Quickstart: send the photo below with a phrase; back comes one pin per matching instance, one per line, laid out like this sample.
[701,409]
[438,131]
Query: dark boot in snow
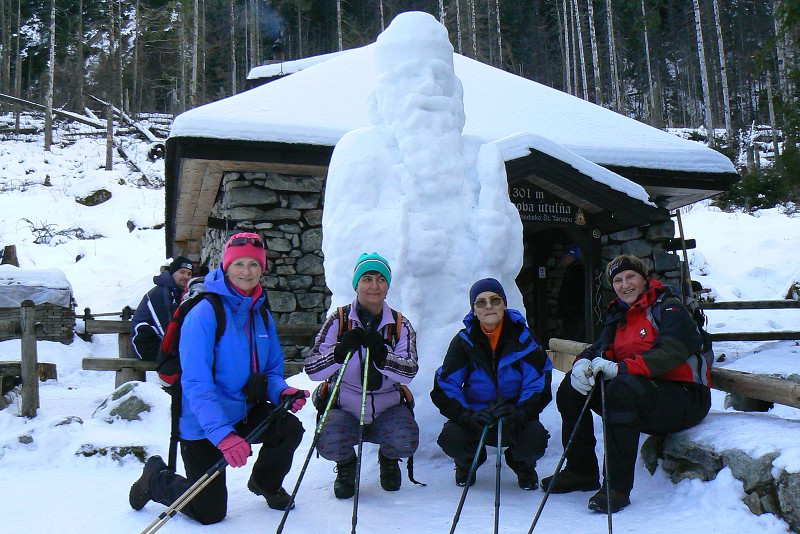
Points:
[277,501]
[140,490]
[390,472]
[599,501]
[344,486]
[462,472]
[569,481]
[527,478]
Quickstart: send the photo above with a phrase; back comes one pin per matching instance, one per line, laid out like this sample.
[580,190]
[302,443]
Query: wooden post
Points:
[10,256]
[30,373]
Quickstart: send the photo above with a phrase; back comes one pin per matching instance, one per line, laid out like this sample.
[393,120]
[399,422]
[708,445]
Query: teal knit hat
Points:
[371,262]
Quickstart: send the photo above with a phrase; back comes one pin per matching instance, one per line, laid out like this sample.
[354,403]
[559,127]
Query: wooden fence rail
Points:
[777,335]
[755,386]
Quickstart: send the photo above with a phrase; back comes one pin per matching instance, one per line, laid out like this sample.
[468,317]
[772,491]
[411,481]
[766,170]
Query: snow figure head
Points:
[419,99]
[430,200]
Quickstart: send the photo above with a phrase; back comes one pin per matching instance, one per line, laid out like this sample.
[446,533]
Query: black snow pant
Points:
[634,404]
[273,463]
[526,445]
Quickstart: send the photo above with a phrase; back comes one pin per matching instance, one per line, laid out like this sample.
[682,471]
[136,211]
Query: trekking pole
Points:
[605,450]
[360,440]
[561,461]
[317,435]
[218,467]
[472,469]
[498,463]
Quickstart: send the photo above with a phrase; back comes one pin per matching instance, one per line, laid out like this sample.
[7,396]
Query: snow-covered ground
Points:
[50,488]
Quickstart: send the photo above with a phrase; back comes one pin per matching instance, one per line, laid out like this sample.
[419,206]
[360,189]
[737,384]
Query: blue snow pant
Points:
[634,404]
[211,505]
[395,430]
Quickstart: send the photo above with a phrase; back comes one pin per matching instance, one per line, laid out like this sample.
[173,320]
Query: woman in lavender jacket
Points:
[367,324]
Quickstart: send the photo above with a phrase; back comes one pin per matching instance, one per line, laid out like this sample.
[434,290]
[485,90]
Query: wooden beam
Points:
[783,335]
[93,326]
[762,387]
[117,364]
[751,305]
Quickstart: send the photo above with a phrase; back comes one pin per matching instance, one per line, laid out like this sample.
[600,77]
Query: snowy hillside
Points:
[50,488]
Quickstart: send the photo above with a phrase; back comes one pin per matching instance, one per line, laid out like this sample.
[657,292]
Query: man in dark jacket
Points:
[571,297]
[153,313]
[494,369]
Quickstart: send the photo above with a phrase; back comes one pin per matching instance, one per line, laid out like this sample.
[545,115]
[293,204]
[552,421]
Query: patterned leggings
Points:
[395,430]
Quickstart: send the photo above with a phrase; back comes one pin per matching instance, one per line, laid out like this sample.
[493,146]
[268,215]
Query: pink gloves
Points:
[298,404]
[235,449]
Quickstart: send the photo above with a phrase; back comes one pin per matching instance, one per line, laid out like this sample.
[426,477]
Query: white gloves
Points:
[580,377]
[607,367]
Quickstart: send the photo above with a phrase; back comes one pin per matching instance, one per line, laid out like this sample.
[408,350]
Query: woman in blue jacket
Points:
[494,369]
[217,412]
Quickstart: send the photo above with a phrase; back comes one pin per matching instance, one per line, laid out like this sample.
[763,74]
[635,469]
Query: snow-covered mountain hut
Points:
[577,173]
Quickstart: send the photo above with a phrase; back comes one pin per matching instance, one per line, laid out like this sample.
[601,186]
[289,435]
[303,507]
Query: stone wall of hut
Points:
[287,212]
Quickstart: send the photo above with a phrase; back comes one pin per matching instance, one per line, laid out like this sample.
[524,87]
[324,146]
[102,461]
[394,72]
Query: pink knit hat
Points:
[244,245]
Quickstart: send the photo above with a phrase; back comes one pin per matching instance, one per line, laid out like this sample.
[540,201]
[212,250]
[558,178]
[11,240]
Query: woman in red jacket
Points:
[656,383]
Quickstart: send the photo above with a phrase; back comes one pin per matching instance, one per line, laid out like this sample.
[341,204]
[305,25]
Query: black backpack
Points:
[706,352]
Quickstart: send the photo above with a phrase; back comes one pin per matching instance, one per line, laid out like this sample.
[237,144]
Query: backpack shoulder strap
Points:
[344,320]
[393,335]
[219,314]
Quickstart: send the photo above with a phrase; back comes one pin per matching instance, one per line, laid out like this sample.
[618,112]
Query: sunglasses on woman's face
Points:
[242,241]
[494,301]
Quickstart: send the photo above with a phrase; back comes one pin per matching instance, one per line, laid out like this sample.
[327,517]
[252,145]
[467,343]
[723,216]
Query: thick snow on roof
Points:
[288,67]
[519,145]
[321,103]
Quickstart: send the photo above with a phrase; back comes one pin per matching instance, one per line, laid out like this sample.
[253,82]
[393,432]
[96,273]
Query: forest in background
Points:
[731,67]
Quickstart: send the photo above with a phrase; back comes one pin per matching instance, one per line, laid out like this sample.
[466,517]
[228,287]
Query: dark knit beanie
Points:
[623,263]
[487,284]
[181,262]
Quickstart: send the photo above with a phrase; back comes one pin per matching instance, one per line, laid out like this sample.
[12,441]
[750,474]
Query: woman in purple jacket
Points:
[367,324]
[230,385]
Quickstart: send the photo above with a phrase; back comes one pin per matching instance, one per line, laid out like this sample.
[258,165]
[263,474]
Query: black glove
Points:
[513,416]
[351,341]
[477,420]
[374,341]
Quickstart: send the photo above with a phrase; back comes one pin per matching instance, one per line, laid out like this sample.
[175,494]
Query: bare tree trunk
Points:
[339,24]
[618,104]
[118,57]
[780,51]
[109,136]
[701,52]
[79,66]
[567,50]
[4,50]
[441,12]
[579,33]
[195,46]
[723,72]
[499,35]
[473,30]
[182,46]
[233,46]
[202,79]
[574,48]
[18,68]
[383,21]
[489,46]
[598,93]
[112,46]
[300,29]
[51,63]
[655,120]
[775,147]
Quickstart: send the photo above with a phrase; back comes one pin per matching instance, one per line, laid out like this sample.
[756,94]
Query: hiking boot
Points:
[344,486]
[390,472]
[599,502]
[462,472]
[277,501]
[568,481]
[140,490]
[527,478]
